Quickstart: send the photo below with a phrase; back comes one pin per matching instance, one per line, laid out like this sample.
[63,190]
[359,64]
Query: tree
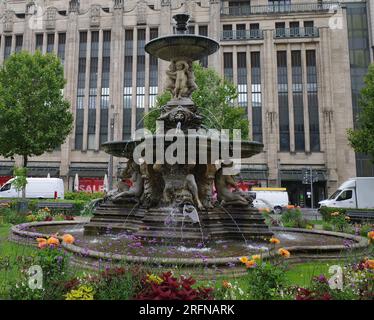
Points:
[214,98]
[34,115]
[362,138]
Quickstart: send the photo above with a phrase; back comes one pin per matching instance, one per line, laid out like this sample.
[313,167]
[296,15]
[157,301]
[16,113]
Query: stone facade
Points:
[301,29]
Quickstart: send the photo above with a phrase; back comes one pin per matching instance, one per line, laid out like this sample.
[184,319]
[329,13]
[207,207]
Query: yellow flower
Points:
[153,278]
[256,257]
[347,218]
[284,253]
[274,240]
[243,259]
[250,264]
[334,214]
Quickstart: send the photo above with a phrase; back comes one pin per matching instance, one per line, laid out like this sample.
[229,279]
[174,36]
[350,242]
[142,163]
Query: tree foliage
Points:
[362,138]
[34,115]
[214,98]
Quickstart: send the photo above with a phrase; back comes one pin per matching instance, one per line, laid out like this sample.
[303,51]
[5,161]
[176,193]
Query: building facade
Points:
[292,62]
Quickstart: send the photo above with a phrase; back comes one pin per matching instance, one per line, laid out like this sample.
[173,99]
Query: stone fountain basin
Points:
[219,256]
[180,47]
[212,146]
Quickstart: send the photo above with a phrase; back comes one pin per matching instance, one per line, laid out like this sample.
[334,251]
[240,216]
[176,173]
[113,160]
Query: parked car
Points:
[354,193]
[36,188]
[273,199]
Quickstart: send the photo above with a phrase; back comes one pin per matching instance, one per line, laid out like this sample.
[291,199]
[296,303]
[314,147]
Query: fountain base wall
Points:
[231,223]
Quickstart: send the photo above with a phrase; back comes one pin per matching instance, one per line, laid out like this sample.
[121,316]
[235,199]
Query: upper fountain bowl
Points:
[182,46]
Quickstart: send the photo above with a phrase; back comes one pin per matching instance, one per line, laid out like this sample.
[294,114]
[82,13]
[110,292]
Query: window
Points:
[242,80]
[153,73]
[50,42]
[254,29]
[127,88]
[256,96]
[240,31]
[93,90]
[81,90]
[284,126]
[61,47]
[203,31]
[345,195]
[8,47]
[294,29]
[298,105]
[140,78]
[105,89]
[280,29]
[313,100]
[39,42]
[228,66]
[19,43]
[6,187]
[309,28]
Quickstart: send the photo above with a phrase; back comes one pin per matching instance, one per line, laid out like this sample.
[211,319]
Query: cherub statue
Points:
[153,185]
[179,78]
[170,84]
[224,184]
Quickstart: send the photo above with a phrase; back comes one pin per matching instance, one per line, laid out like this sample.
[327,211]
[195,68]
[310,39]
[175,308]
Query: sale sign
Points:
[91,184]
[4,179]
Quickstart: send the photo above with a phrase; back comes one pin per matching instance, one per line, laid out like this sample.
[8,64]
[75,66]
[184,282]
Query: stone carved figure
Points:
[205,175]
[180,185]
[134,193]
[224,184]
[187,116]
[153,185]
[180,80]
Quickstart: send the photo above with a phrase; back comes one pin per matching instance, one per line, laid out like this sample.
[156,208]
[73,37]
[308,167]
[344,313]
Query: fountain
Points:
[180,191]
[169,216]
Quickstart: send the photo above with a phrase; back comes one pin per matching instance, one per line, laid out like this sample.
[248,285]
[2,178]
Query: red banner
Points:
[3,180]
[91,184]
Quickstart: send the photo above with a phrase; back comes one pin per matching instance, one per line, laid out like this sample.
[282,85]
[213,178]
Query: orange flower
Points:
[274,240]
[68,238]
[243,259]
[41,242]
[226,284]
[53,241]
[371,235]
[250,264]
[256,257]
[369,264]
[284,253]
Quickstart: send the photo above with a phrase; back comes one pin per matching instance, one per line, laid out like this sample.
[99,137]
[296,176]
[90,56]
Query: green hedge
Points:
[83,196]
[326,211]
[78,205]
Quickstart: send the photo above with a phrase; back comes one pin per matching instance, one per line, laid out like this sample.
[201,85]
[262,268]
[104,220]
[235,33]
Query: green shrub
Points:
[292,218]
[327,226]
[326,212]
[265,281]
[83,196]
[11,216]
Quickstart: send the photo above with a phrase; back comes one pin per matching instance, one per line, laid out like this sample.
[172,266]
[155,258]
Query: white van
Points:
[274,199]
[36,188]
[354,193]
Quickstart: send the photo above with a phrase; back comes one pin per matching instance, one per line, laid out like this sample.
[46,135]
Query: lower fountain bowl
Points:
[205,261]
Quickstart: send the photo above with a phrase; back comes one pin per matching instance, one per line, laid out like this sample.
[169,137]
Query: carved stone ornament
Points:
[95,11]
[8,21]
[51,18]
